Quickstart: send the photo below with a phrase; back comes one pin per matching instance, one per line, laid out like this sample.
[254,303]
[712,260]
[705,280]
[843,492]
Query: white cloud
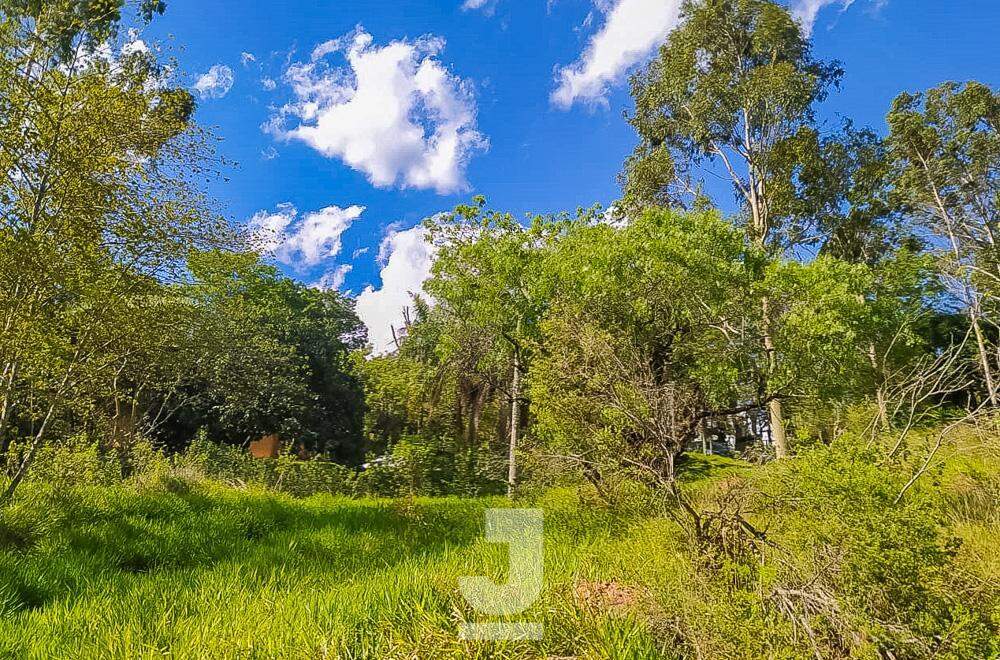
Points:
[135,46]
[394,112]
[268,84]
[301,242]
[216,82]
[246,59]
[406,266]
[632,30]
[487,6]
[807,11]
[334,279]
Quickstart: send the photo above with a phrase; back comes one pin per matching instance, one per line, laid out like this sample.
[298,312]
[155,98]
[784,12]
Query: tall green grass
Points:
[226,573]
[169,566]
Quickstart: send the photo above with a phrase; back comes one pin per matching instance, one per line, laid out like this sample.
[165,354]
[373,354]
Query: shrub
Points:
[378,479]
[870,573]
[75,461]
[235,466]
[304,478]
[430,465]
[81,460]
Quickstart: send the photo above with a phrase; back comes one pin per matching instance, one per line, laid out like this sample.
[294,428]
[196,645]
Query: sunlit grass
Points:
[217,572]
[174,567]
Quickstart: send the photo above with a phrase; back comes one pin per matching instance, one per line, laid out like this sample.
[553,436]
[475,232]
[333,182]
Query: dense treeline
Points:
[129,308]
[855,271]
[856,274]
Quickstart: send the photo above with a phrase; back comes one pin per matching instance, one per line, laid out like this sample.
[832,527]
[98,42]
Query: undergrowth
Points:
[817,556]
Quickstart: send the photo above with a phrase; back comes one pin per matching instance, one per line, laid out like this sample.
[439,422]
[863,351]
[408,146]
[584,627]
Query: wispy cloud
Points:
[806,12]
[333,280]
[631,32]
[486,6]
[301,242]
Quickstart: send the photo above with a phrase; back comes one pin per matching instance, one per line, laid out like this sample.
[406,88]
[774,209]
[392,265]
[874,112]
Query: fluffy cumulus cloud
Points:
[631,32]
[393,112]
[302,241]
[215,83]
[406,259]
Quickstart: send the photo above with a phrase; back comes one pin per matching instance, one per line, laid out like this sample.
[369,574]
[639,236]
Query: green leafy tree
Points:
[730,87]
[945,146]
[271,356]
[837,188]
[645,338]
[98,207]
[484,277]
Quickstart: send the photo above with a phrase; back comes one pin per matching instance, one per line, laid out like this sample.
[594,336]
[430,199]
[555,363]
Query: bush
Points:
[416,465]
[82,461]
[286,474]
[430,465]
[378,479]
[869,574]
[76,461]
[304,478]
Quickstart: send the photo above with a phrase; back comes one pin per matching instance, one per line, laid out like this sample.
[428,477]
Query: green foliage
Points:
[839,187]
[89,570]
[74,462]
[399,397]
[286,474]
[129,310]
[272,356]
[67,25]
[945,146]
[730,85]
[101,209]
[485,271]
[822,311]
[888,565]
[637,344]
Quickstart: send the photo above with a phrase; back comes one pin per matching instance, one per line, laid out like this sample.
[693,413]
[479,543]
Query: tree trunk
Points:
[971,298]
[777,422]
[472,438]
[28,458]
[515,423]
[759,236]
[10,371]
[883,411]
[776,417]
[984,359]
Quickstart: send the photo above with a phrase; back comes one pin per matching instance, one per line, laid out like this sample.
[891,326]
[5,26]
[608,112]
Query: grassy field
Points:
[168,568]
[227,573]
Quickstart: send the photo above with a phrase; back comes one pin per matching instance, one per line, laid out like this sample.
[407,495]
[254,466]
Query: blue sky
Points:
[413,106]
